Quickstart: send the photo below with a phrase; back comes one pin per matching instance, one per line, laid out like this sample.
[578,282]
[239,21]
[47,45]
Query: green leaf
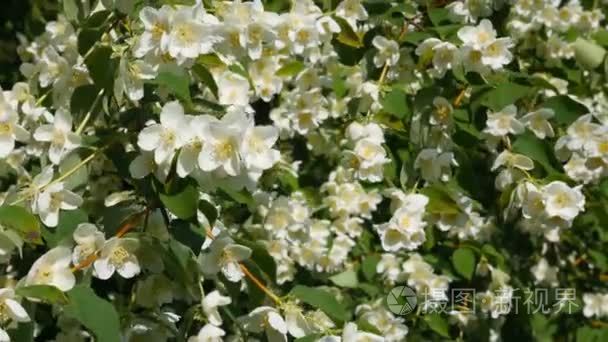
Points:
[542,329]
[176,80]
[601,37]
[260,255]
[182,203]
[321,300]
[68,222]
[116,215]
[347,35]
[347,278]
[87,38]
[438,15]
[309,338]
[203,74]
[290,69]
[76,179]
[464,263]
[92,30]
[529,145]
[440,201]
[82,99]
[241,196]
[208,210]
[438,324]
[368,266]
[70,9]
[46,293]
[566,109]
[395,102]
[588,54]
[504,94]
[599,259]
[21,221]
[102,67]
[95,313]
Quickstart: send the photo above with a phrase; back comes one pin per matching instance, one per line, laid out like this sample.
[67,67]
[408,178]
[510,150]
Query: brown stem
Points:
[126,227]
[250,275]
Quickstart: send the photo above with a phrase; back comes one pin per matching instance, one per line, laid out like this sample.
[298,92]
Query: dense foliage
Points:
[276,170]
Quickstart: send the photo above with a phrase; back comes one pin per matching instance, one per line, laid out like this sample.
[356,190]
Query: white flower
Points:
[144,165]
[256,148]
[406,228]
[165,138]
[351,333]
[297,324]
[208,333]
[189,35]
[352,11]
[596,304]
[504,122]
[434,165]
[266,319]
[538,122]
[513,160]
[478,37]
[425,49]
[210,304]
[53,268]
[372,131]
[130,80]
[225,256]
[388,51]
[581,131]
[223,143]
[471,60]
[10,130]
[88,240]
[188,156]
[444,58]
[497,54]
[10,308]
[233,89]
[54,198]
[442,113]
[544,273]
[60,135]
[117,255]
[562,201]
[155,37]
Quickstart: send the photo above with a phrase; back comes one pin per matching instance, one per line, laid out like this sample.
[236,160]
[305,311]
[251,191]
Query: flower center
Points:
[118,256]
[224,150]
[185,34]
[5,128]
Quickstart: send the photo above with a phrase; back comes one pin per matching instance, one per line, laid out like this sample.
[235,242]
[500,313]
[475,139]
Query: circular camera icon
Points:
[401,300]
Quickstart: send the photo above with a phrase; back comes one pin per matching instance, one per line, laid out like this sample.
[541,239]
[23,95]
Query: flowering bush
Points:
[356,170]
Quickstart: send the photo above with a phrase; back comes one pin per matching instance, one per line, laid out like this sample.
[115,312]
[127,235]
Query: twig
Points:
[126,227]
[253,278]
[89,113]
[70,172]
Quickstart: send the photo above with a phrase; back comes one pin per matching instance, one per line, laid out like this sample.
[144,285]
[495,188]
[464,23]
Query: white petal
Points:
[141,166]
[129,269]
[63,120]
[103,268]
[149,137]
[64,279]
[7,144]
[17,311]
[44,133]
